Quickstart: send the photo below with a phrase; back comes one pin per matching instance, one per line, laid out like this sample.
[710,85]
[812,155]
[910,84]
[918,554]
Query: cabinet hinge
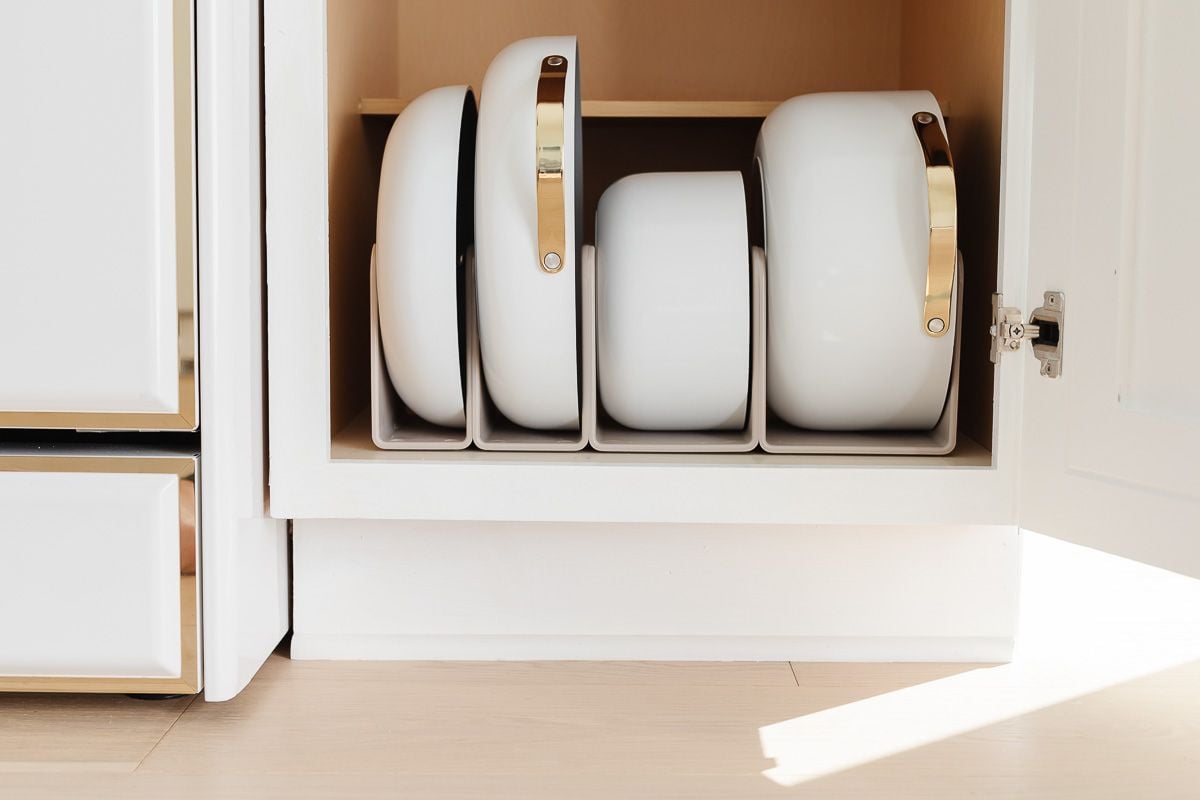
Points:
[1044,331]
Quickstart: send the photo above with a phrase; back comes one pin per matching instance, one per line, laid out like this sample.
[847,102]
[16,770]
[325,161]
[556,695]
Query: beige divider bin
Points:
[762,428]
[393,425]
[779,437]
[607,435]
[494,431]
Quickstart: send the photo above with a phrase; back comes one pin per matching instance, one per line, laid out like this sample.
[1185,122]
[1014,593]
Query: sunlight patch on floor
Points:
[1088,620]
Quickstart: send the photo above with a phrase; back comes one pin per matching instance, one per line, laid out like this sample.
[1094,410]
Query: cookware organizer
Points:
[395,427]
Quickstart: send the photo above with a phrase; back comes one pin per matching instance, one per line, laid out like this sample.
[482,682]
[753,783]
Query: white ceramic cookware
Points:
[673,301]
[858,195]
[423,227]
[527,202]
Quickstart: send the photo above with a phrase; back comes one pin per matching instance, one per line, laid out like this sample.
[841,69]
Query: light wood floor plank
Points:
[877,677]
[463,786]
[1135,740]
[43,732]
[355,731]
[549,673]
[516,718]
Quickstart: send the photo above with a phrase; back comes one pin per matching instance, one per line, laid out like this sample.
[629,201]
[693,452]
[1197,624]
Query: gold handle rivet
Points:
[555,61]
[924,117]
[936,325]
[552,262]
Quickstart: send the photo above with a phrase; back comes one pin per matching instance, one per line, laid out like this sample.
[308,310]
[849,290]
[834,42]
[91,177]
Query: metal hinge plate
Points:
[1044,331]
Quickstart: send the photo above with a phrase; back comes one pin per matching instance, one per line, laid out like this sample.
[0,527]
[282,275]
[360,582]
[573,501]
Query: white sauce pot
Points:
[860,285]
[673,301]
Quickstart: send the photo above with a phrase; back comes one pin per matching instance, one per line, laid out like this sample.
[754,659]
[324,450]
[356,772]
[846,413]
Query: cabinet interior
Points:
[668,50]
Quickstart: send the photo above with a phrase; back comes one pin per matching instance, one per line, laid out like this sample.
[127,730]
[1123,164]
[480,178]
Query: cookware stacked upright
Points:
[858,315]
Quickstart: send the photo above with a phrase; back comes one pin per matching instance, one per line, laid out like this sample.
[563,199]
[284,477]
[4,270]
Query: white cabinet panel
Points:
[96,215]
[245,551]
[1109,449]
[98,578]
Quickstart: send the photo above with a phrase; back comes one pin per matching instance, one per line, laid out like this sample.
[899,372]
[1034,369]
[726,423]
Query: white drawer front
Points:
[96,216]
[97,573]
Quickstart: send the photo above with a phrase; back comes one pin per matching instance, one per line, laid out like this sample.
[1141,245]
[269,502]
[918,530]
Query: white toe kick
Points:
[526,591]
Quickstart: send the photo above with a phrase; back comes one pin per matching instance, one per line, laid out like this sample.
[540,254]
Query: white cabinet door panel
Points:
[96,215]
[245,550]
[97,574]
[1110,448]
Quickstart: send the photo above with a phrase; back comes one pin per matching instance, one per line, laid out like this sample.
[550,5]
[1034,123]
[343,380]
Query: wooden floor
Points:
[596,730]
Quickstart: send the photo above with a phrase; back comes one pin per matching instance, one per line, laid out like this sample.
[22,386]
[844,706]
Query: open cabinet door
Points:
[1111,449]
[244,568]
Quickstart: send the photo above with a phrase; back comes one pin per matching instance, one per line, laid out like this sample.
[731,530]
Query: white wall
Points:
[386,589]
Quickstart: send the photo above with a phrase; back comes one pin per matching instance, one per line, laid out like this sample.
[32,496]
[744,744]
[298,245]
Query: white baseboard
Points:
[341,647]
[375,589]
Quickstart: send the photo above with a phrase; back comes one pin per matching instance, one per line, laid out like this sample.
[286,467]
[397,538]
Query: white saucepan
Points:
[859,205]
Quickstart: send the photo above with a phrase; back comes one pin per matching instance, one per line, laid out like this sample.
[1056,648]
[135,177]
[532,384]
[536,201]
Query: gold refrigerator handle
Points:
[943,223]
[551,204]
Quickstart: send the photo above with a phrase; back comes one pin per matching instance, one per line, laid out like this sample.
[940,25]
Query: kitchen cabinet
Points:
[1069,123]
